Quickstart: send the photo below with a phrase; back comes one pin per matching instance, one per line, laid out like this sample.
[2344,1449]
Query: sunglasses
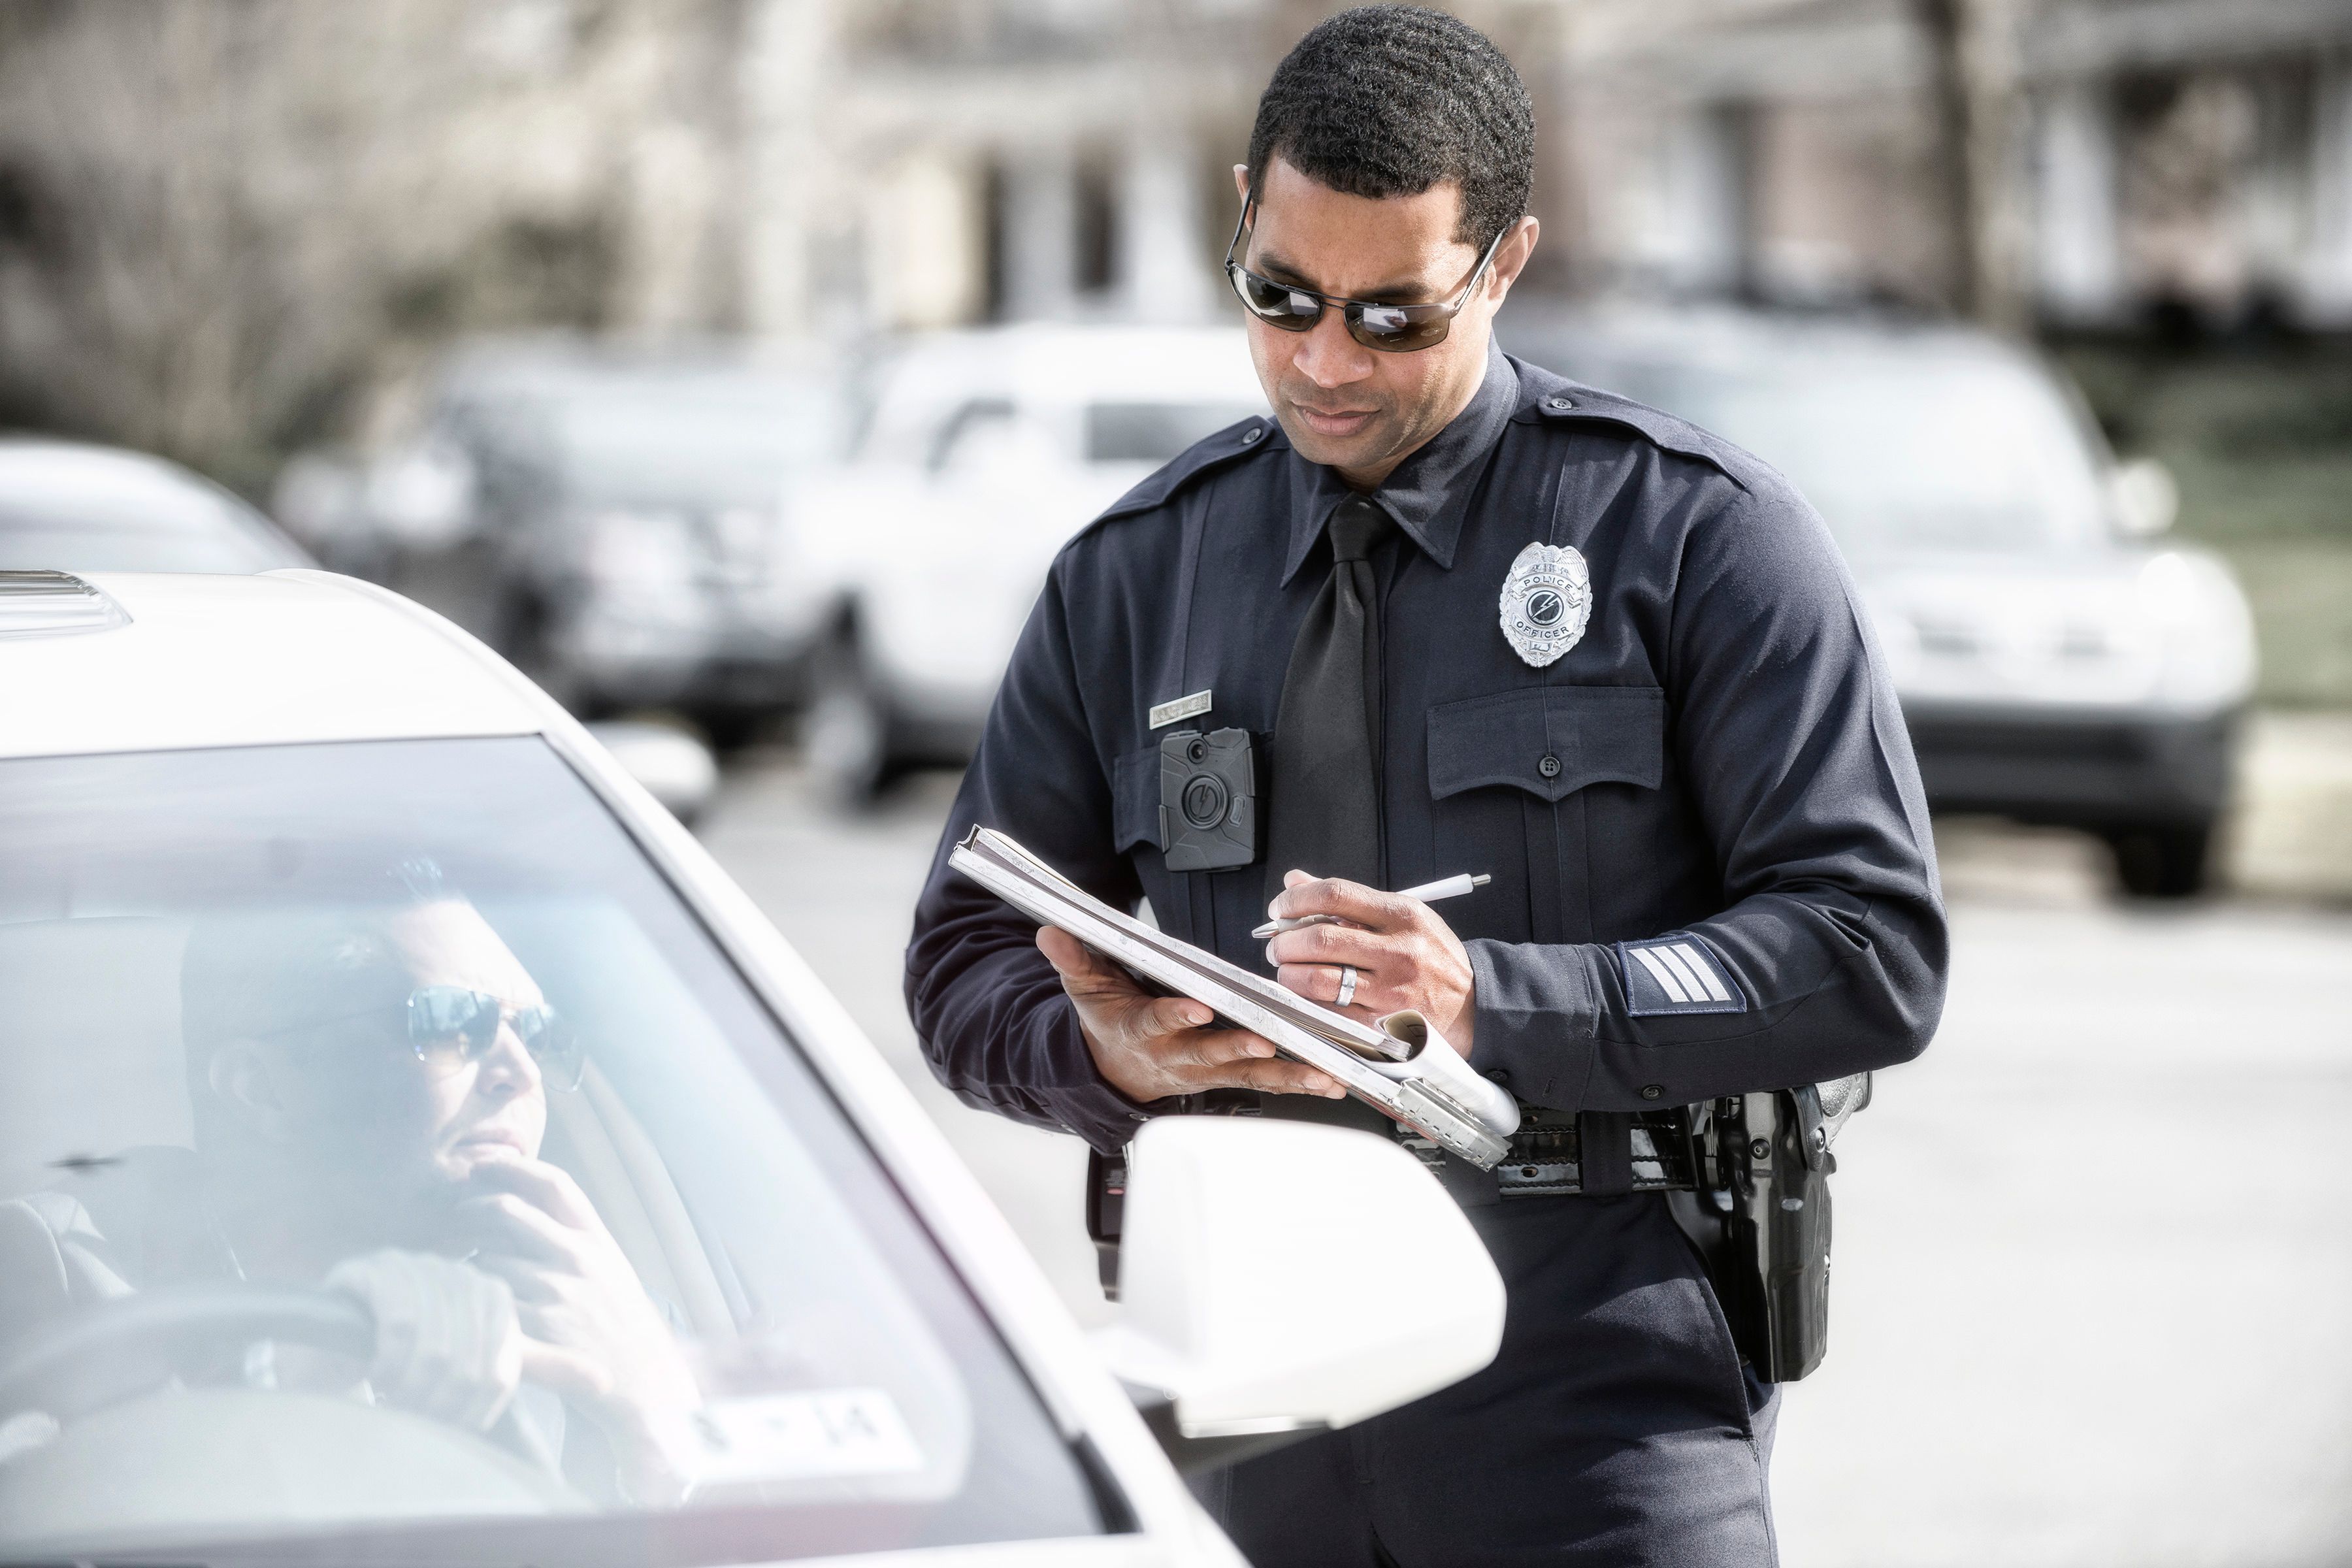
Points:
[1391,328]
[450,1027]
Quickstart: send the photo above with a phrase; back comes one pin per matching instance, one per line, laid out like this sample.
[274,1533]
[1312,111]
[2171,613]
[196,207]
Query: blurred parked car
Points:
[328,942]
[986,451]
[67,506]
[2054,665]
[606,520]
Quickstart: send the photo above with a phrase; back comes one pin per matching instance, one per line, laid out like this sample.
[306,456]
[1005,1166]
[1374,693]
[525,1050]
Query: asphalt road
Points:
[2094,1287]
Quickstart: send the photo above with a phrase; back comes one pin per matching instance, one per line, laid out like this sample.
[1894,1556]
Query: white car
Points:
[324,931]
[986,452]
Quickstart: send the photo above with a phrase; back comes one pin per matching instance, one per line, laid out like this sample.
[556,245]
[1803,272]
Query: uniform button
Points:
[1549,767]
[1652,1090]
[1499,1074]
[1556,401]
[1250,436]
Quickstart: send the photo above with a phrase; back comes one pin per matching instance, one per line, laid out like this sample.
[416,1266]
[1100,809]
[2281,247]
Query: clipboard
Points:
[1402,1067]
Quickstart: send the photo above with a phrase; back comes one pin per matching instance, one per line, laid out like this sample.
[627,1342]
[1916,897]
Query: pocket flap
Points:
[1550,741]
[1135,800]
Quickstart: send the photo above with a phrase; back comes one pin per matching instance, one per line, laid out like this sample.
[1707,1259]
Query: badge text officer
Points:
[1468,616]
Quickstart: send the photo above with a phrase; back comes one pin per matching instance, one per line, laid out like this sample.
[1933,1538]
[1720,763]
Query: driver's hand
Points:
[447,1341]
[591,1331]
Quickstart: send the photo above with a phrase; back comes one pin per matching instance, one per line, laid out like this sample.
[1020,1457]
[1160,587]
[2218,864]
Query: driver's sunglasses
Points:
[449,1026]
[1391,328]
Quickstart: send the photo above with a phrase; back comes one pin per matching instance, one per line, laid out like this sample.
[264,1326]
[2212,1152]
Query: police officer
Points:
[1473,617]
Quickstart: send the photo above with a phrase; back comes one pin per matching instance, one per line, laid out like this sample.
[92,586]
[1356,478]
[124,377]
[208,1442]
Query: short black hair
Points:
[1388,101]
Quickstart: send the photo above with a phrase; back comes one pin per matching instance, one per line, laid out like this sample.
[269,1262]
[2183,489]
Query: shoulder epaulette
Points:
[1228,446]
[1549,399]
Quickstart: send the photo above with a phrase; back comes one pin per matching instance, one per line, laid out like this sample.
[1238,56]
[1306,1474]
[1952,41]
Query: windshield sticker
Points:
[789,1437]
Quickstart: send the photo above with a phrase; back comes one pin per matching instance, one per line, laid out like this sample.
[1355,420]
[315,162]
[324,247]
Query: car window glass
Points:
[617,438]
[71,510]
[30,546]
[422,1015]
[1155,432]
[1934,455]
[969,430]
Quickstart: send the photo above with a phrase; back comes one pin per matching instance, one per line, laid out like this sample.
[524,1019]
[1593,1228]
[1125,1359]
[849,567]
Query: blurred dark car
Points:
[69,506]
[609,521]
[2054,665]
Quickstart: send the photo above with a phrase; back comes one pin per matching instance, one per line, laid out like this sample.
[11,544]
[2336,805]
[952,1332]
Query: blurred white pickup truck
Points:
[987,450]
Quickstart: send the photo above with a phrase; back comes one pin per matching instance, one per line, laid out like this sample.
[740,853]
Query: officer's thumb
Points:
[1073,959]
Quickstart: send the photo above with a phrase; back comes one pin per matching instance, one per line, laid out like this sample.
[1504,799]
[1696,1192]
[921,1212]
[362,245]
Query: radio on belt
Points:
[1208,800]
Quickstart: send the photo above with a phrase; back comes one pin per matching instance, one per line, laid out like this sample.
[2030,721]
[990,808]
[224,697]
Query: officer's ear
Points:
[1241,180]
[1511,256]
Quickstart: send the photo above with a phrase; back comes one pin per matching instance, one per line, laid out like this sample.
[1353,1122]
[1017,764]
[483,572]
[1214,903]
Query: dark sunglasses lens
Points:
[553,1045]
[1275,305]
[449,1026]
[1399,329]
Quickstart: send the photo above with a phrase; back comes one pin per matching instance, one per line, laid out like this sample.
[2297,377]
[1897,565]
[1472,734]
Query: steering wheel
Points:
[124,1347]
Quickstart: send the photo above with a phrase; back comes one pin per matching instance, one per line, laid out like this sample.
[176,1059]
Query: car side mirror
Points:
[675,769]
[1279,1278]
[2144,497]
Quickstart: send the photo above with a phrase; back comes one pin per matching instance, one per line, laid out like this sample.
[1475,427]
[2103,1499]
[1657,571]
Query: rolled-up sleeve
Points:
[989,1011]
[1830,953]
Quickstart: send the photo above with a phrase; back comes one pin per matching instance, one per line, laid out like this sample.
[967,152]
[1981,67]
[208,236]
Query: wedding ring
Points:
[1347,984]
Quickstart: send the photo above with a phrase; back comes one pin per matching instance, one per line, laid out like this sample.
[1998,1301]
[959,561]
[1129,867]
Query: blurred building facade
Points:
[221,220]
[1028,159]
[2077,162]
[228,227]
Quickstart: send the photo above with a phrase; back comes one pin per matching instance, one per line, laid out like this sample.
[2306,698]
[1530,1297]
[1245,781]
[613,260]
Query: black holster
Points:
[1761,1222]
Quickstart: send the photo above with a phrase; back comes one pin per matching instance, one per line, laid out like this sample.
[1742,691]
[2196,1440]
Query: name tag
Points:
[1191,707]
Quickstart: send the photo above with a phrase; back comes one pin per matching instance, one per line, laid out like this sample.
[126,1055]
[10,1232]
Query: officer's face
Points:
[1341,403]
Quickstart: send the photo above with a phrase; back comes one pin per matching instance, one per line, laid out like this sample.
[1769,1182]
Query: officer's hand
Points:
[1153,1047]
[1403,955]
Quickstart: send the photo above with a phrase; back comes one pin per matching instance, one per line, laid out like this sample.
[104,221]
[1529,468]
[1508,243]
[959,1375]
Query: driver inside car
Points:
[370,1096]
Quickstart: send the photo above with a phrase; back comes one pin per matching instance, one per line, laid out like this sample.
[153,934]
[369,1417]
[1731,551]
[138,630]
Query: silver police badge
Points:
[1547,599]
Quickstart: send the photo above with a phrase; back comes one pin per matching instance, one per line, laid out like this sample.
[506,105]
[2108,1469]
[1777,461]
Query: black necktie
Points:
[1324,791]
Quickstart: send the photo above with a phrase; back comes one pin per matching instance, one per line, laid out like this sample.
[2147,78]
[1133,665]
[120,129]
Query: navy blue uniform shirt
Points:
[1710,853]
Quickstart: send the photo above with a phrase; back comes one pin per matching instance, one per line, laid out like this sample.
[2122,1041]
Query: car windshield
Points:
[1935,455]
[316,1062]
[71,513]
[1155,432]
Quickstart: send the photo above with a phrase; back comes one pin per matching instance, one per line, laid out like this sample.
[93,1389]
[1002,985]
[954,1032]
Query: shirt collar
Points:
[1430,491]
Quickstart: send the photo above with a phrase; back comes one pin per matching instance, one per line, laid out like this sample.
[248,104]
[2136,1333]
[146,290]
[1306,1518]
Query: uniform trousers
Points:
[1617,1426]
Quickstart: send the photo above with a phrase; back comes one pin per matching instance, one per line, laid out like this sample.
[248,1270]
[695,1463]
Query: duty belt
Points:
[1551,1153]
[1554,1153]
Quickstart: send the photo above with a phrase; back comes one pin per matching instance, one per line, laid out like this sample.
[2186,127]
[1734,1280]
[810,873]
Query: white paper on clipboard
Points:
[1429,1088]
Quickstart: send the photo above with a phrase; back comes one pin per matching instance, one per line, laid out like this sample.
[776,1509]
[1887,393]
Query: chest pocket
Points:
[1512,781]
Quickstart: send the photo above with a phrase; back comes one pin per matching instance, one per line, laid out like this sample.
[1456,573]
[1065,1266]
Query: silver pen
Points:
[1428,893]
